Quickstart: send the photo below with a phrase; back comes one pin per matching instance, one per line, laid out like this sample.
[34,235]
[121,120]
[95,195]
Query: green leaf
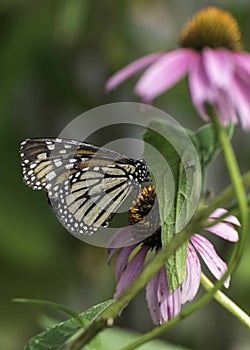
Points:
[209,145]
[55,337]
[174,163]
[117,338]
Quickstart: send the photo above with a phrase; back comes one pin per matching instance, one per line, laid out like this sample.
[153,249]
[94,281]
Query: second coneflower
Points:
[210,55]
[130,260]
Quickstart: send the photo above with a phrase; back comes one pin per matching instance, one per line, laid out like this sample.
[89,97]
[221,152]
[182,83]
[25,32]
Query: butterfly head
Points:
[143,173]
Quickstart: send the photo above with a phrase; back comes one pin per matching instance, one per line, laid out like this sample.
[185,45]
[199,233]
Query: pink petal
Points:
[240,90]
[170,303]
[152,300]
[130,69]
[224,230]
[122,261]
[215,264]
[241,93]
[190,285]
[209,79]
[131,271]
[219,67]
[224,105]
[111,253]
[242,63]
[221,211]
[164,73]
[199,87]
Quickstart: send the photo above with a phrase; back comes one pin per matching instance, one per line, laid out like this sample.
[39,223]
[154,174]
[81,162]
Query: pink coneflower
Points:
[210,55]
[130,260]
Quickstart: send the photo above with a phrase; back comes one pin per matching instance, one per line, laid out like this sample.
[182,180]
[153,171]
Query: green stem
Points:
[226,302]
[238,187]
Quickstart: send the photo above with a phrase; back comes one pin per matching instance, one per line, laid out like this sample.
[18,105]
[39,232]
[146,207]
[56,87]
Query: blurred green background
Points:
[54,59]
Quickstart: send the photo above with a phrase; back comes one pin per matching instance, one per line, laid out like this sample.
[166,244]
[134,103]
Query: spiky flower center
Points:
[144,218]
[211,27]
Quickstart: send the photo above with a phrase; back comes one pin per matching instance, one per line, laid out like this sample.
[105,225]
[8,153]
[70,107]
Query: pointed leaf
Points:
[55,337]
[174,162]
[209,143]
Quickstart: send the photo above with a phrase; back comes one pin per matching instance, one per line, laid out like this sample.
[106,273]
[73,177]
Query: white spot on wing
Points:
[51,147]
[58,162]
[69,166]
[51,175]
[42,155]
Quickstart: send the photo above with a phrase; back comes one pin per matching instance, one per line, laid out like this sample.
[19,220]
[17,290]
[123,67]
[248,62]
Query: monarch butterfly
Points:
[85,183]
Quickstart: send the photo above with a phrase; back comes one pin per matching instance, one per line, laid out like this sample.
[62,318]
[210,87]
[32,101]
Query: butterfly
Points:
[85,184]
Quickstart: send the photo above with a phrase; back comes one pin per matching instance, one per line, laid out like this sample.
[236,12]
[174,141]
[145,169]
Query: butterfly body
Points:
[85,184]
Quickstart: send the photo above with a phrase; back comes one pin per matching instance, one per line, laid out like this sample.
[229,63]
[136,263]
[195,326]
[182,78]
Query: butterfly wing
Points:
[85,184]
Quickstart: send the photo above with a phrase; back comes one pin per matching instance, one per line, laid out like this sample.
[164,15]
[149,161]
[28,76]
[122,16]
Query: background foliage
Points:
[54,59]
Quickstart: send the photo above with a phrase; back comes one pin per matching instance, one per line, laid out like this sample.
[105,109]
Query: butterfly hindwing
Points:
[84,207]
[85,184]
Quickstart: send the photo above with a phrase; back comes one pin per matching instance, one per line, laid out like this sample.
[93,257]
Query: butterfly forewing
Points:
[85,184]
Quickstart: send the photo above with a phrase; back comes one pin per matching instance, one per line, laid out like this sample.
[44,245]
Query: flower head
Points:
[211,27]
[163,304]
[210,55]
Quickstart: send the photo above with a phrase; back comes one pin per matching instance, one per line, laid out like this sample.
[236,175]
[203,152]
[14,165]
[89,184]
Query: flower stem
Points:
[226,302]
[238,187]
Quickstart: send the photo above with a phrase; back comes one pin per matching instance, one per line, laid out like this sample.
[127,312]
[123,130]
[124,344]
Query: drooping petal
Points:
[221,211]
[130,69]
[111,253]
[190,285]
[219,67]
[152,298]
[242,63]
[131,271]
[241,91]
[170,303]
[122,261]
[208,83]
[164,73]
[224,230]
[224,106]
[200,90]
[206,250]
